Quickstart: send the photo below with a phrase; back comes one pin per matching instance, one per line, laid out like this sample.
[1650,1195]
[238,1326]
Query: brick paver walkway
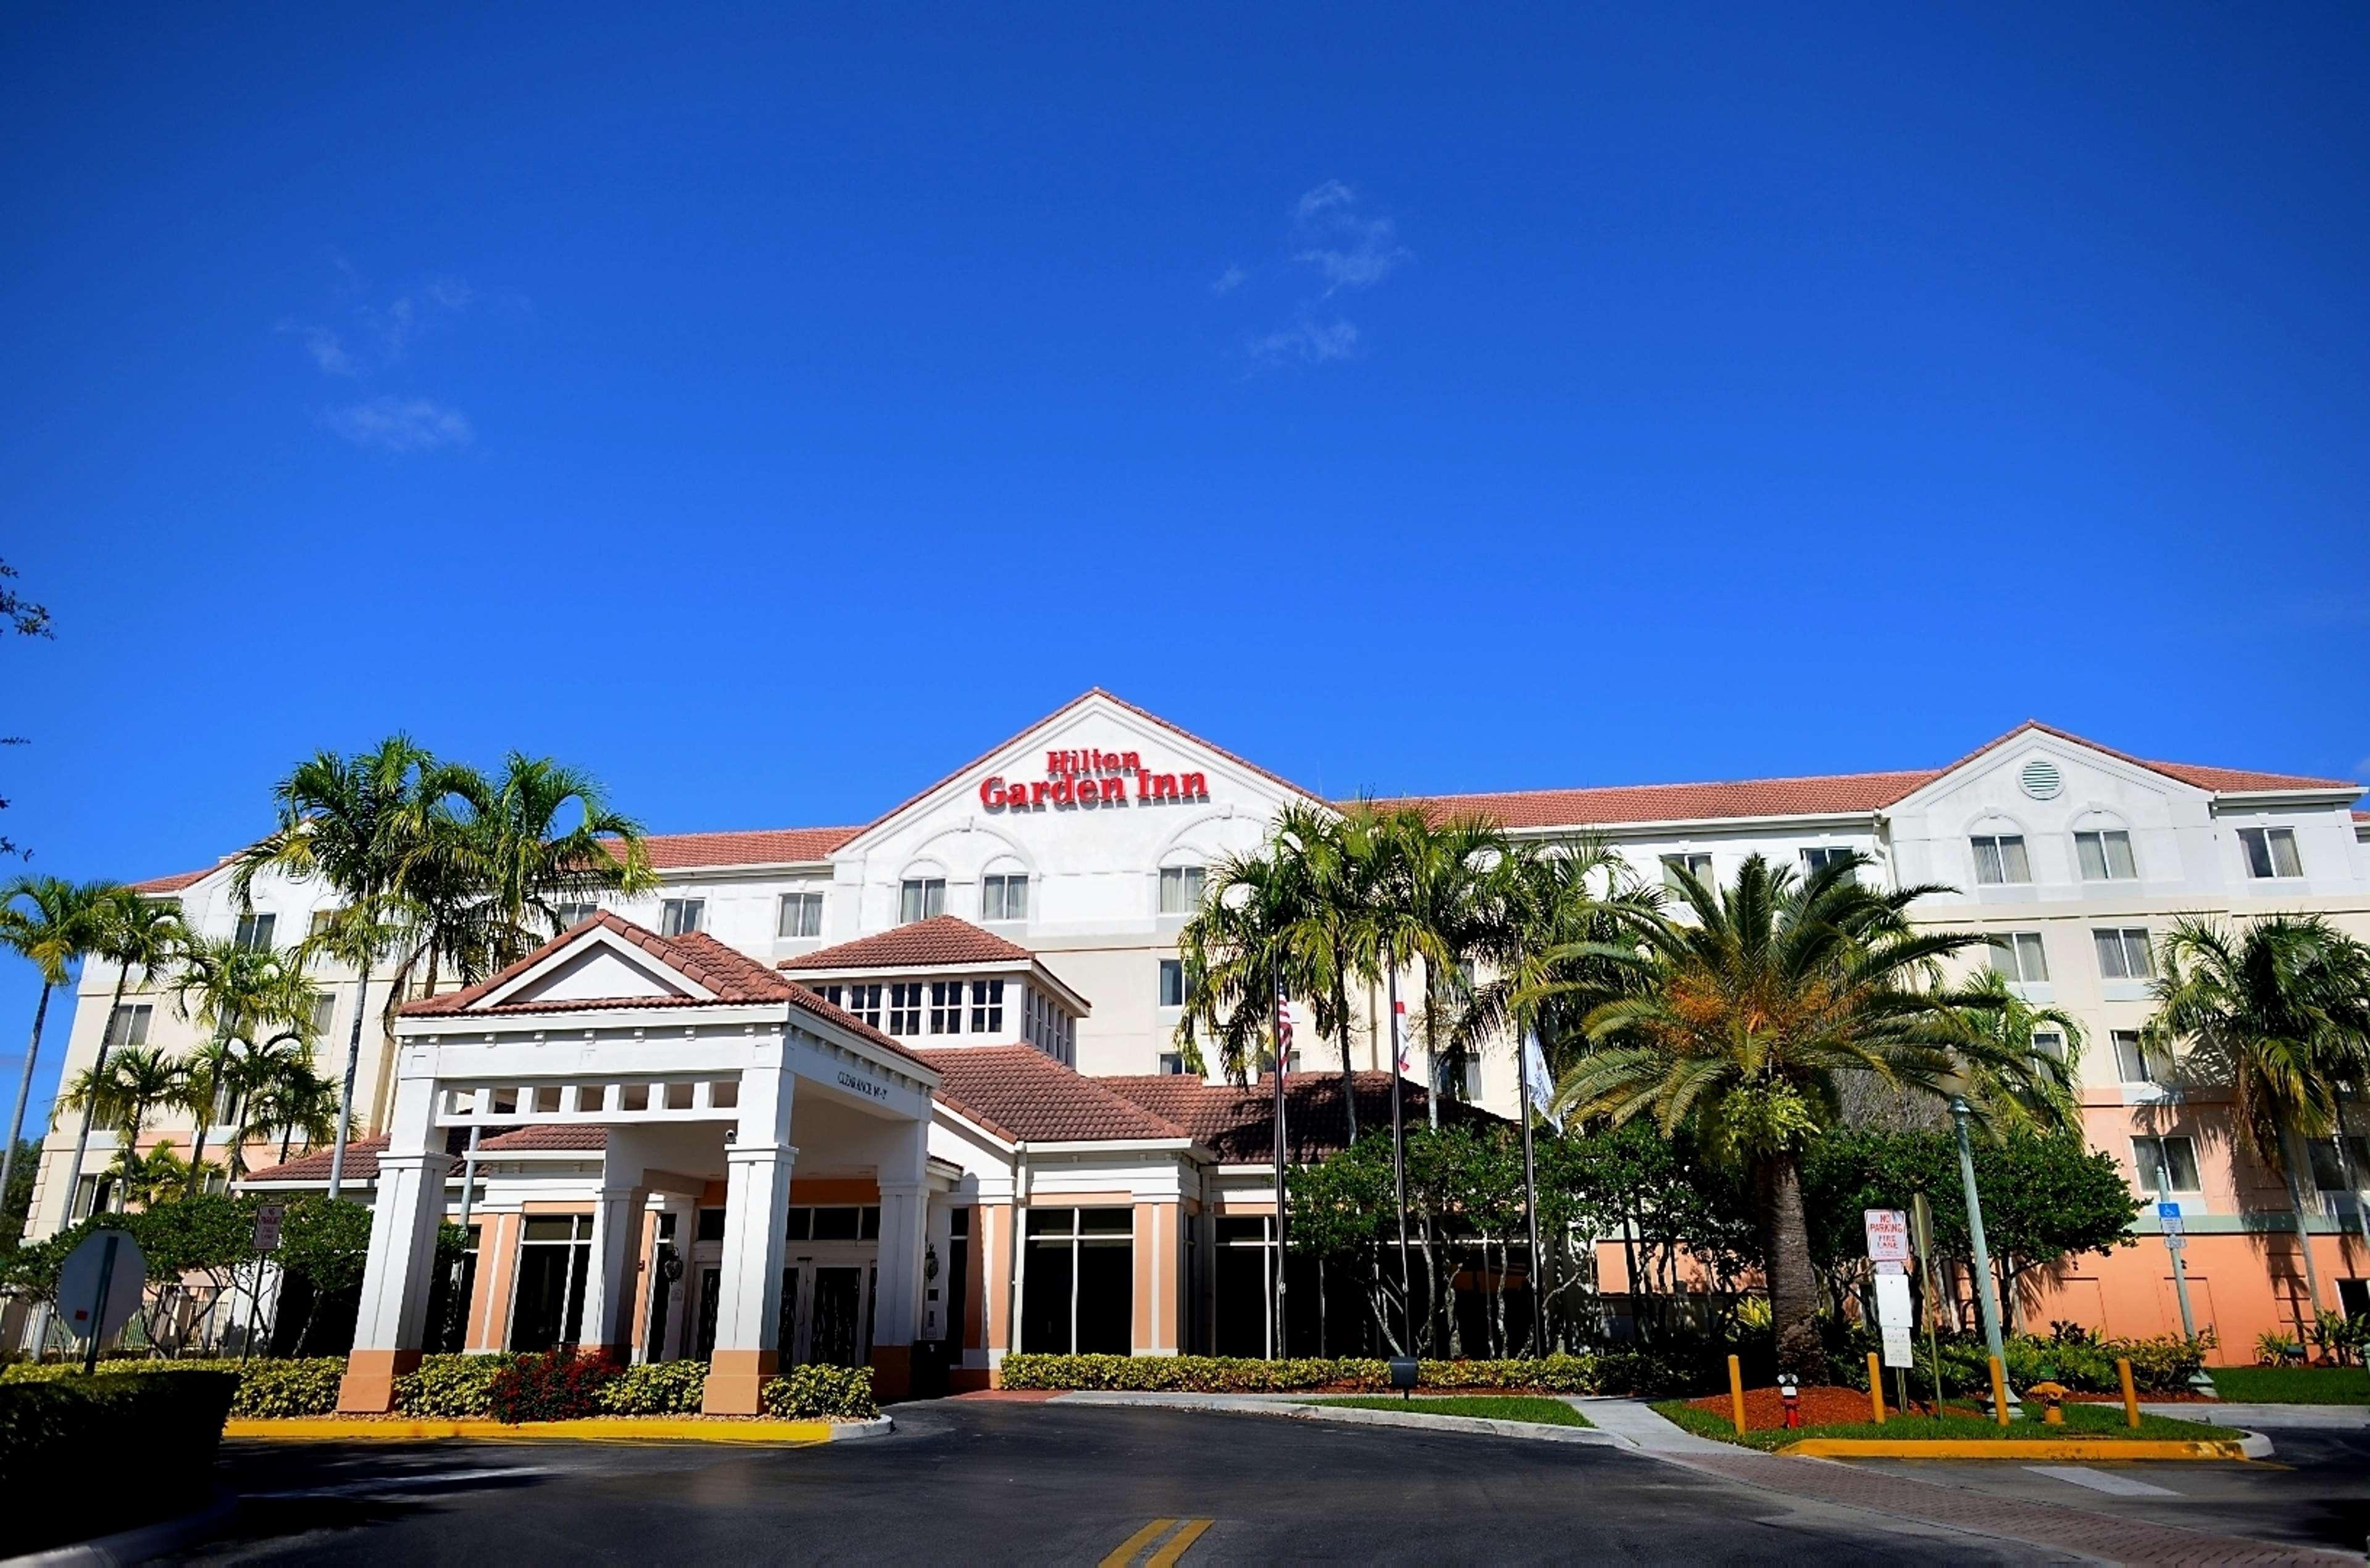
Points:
[2046,1525]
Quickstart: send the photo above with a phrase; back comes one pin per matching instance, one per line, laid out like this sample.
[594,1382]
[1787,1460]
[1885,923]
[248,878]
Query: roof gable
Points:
[1019,1094]
[942,938]
[607,962]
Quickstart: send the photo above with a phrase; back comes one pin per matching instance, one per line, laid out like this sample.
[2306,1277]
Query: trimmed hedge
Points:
[1243,1375]
[450,1388]
[819,1393]
[55,1430]
[265,1388]
[656,1388]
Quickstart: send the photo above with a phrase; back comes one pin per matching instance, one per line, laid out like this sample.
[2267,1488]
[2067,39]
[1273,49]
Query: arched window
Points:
[1003,890]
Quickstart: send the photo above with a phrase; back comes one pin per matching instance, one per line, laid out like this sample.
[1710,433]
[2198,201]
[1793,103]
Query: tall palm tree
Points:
[541,835]
[53,925]
[135,1081]
[379,830]
[2274,1011]
[295,1097]
[134,933]
[1238,952]
[1437,898]
[249,1000]
[1337,860]
[1562,907]
[1755,1006]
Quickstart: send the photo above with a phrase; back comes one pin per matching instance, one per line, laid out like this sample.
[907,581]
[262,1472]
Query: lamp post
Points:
[1985,1300]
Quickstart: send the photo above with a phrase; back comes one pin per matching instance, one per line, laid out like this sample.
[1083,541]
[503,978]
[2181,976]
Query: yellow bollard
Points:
[1999,1390]
[2131,1396]
[1875,1389]
[1737,1392]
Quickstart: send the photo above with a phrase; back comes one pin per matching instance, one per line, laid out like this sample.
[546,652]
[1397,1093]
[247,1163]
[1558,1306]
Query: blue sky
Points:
[769,408]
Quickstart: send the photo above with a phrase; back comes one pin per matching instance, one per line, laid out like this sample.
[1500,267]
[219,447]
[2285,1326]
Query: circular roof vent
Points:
[2042,780]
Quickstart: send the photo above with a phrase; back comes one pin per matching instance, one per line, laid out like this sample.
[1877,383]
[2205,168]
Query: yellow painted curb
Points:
[334,1428]
[2015,1448]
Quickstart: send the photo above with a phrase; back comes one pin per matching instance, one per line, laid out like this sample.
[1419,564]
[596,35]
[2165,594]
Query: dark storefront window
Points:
[554,1255]
[1079,1294]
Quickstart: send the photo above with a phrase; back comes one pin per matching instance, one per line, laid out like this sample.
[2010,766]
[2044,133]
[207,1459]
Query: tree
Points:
[250,999]
[53,925]
[132,1083]
[1239,956]
[541,836]
[2276,1013]
[1755,1006]
[17,1199]
[134,933]
[1433,900]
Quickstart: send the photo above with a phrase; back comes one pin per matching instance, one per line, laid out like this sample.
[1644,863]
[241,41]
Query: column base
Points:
[368,1387]
[893,1372]
[734,1378]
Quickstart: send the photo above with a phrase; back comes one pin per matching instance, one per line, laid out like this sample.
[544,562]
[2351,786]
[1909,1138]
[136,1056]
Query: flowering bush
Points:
[562,1386]
[812,1393]
[1243,1375]
[656,1388]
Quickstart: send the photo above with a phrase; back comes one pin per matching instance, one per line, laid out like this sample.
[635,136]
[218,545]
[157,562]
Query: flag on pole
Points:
[1283,1031]
[1537,1082]
[1399,1037]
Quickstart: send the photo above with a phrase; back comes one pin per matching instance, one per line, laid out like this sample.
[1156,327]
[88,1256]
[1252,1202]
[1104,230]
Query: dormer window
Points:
[681,916]
[2271,851]
[921,898]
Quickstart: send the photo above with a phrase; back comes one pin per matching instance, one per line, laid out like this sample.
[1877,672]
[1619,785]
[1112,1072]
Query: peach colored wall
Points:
[642,1256]
[974,1283]
[489,1311]
[2238,1285]
[994,1226]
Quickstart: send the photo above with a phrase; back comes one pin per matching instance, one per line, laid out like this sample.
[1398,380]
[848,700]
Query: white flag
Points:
[1399,1037]
[1536,1082]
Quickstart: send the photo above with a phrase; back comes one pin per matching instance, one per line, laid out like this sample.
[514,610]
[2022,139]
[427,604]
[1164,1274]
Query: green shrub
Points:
[450,1388]
[1244,1375]
[656,1388]
[562,1386]
[265,1388]
[814,1393]
[53,1429]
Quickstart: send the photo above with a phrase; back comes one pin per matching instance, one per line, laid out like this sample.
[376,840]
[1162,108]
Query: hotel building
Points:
[908,1092]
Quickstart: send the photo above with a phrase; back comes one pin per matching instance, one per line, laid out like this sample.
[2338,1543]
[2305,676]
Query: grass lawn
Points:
[1494,1407]
[2081,1420]
[2292,1385]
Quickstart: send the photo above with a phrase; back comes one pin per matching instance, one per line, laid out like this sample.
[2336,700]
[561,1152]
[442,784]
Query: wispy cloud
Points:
[402,425]
[1332,233]
[1229,281]
[327,348]
[1350,248]
[1307,341]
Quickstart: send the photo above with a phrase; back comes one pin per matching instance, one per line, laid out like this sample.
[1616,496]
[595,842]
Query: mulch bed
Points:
[1822,1405]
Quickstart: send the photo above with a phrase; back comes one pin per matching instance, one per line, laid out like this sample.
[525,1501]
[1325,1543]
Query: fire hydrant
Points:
[2052,1399]
[1789,1389]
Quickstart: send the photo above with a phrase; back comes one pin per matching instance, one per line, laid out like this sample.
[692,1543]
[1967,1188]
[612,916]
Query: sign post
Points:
[99,1287]
[2176,1242]
[1888,1253]
[267,1240]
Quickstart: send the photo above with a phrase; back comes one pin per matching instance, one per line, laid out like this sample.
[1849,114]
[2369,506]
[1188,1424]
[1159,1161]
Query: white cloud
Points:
[1350,248]
[328,351]
[386,333]
[402,425]
[1229,281]
[1307,341]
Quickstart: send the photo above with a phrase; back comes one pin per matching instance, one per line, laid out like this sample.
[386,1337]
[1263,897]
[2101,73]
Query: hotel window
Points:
[2049,1043]
[921,898]
[129,1026]
[864,1001]
[681,916]
[1677,868]
[324,1014]
[905,1008]
[1181,889]
[567,916]
[255,931]
[1172,1064]
[2271,852]
[2134,1062]
[1079,1295]
[2105,856]
[2165,1165]
[946,1006]
[2018,955]
[1820,858]
[1004,896]
[2123,953]
[800,914]
[987,1007]
[320,921]
[2000,860]
[555,1253]
[2329,1170]
[1172,982]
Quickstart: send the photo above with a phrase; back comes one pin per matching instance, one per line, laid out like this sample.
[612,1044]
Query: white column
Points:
[609,1296]
[897,1298]
[408,1206]
[756,1203]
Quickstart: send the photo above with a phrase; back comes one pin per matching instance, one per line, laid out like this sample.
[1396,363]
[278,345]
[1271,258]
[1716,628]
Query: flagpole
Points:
[1398,1172]
[1531,1208]
[1282,1044]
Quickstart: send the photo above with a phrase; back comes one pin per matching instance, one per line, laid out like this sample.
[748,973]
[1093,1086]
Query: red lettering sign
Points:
[1091,777]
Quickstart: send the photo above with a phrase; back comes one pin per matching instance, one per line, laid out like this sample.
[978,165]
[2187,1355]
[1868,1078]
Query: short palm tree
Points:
[147,1179]
[135,934]
[1754,1004]
[2274,1011]
[1239,957]
[53,925]
[247,999]
[540,837]
[132,1083]
[1436,897]
[1562,905]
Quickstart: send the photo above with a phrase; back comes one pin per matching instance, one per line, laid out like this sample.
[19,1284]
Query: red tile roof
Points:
[2218,779]
[175,882]
[1019,1093]
[548,1135]
[754,847]
[1239,1125]
[361,1164]
[942,938]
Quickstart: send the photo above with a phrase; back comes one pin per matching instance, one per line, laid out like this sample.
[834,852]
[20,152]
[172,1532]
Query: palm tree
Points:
[540,837]
[54,924]
[1239,957]
[295,1098]
[134,933]
[1562,907]
[1437,898]
[1754,1007]
[2274,1011]
[249,1000]
[145,1179]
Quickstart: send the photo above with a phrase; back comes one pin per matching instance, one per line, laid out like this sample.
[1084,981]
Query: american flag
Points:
[1283,1031]
[1399,1035]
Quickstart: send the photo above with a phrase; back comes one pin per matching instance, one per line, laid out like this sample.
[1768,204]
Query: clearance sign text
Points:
[1090,778]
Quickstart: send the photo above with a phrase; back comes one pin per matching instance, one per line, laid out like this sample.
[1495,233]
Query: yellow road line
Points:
[1124,1552]
[1168,1555]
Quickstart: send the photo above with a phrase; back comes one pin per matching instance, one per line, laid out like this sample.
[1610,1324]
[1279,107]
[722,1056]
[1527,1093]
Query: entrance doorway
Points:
[827,1311]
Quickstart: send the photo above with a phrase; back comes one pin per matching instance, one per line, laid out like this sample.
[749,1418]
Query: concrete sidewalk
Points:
[2344,1417]
[1296,1408]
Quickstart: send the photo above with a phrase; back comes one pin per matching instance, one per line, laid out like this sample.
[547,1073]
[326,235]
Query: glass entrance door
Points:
[826,1312]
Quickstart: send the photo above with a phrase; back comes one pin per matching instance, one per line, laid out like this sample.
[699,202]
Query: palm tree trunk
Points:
[1793,1287]
[1431,1041]
[97,1077]
[2303,1236]
[24,1093]
[346,1086]
[1349,1073]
